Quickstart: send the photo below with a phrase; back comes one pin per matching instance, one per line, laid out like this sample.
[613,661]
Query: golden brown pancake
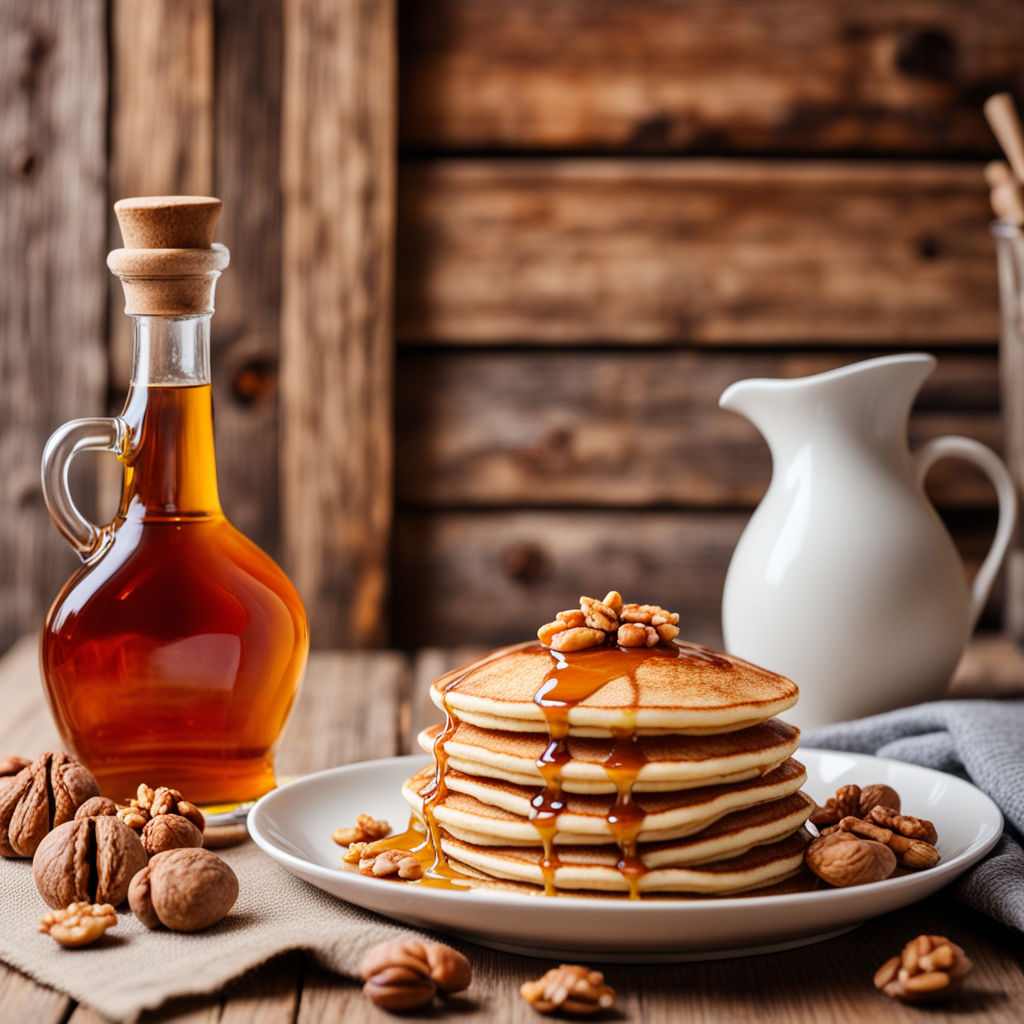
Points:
[682,688]
[500,811]
[594,867]
[669,762]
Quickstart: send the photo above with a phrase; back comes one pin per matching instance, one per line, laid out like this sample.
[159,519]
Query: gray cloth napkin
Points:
[132,969]
[979,740]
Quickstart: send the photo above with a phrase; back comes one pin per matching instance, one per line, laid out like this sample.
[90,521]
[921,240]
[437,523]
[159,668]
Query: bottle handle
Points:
[95,434]
[1006,494]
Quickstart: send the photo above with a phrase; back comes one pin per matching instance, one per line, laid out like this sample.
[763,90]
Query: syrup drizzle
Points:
[568,682]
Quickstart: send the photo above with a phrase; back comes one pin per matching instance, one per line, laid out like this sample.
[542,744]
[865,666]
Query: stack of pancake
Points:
[651,770]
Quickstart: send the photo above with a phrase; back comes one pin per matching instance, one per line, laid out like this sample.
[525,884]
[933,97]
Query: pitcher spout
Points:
[875,395]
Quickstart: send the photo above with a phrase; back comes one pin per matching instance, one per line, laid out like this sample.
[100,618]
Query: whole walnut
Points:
[404,974]
[842,859]
[184,890]
[88,860]
[96,807]
[170,832]
[38,799]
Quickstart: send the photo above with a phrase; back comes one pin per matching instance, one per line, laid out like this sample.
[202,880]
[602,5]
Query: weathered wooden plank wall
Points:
[339,175]
[53,108]
[605,213]
[609,212]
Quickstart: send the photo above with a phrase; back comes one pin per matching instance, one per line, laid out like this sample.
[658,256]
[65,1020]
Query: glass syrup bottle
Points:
[173,655]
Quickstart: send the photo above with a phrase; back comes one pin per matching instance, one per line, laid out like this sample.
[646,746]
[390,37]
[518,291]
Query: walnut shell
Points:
[88,860]
[96,807]
[38,799]
[404,974]
[184,890]
[170,832]
[843,859]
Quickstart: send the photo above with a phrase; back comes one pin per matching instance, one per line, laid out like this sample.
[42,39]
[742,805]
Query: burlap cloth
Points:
[132,969]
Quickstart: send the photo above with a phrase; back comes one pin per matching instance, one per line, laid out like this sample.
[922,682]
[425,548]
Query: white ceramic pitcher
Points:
[845,579]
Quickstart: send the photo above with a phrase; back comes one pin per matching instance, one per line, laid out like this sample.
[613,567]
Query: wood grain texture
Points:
[53,80]
[827,982]
[636,429]
[701,251]
[906,76]
[1010,255]
[338,172]
[494,577]
[347,711]
[247,109]
[160,62]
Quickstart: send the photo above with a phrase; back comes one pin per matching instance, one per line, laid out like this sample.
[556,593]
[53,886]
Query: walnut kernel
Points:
[905,824]
[597,622]
[929,967]
[915,854]
[390,863]
[368,829]
[79,924]
[571,989]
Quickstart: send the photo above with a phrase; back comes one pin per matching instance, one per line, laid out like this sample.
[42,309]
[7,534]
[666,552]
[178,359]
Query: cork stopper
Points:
[170,263]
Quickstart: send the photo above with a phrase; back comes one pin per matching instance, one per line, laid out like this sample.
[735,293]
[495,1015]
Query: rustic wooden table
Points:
[357,706]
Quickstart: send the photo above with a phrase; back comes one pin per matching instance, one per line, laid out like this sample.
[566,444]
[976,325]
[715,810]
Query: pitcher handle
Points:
[95,434]
[1006,493]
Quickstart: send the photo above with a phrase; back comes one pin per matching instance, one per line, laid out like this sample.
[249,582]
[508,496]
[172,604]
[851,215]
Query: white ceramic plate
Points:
[294,824]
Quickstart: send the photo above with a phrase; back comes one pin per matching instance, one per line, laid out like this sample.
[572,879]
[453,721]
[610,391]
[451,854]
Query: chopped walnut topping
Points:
[577,639]
[367,829]
[609,620]
[355,853]
[391,862]
[78,924]
[634,634]
[929,967]
[570,989]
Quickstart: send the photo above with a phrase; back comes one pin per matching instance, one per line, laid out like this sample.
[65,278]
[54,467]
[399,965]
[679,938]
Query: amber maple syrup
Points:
[173,655]
[569,681]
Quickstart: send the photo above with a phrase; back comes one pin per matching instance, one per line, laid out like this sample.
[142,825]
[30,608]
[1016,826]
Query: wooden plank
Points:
[347,711]
[338,172]
[799,75]
[703,251]
[53,79]
[28,728]
[161,61]
[481,429]
[492,577]
[270,995]
[1010,250]
[832,981]
[247,108]
[21,999]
